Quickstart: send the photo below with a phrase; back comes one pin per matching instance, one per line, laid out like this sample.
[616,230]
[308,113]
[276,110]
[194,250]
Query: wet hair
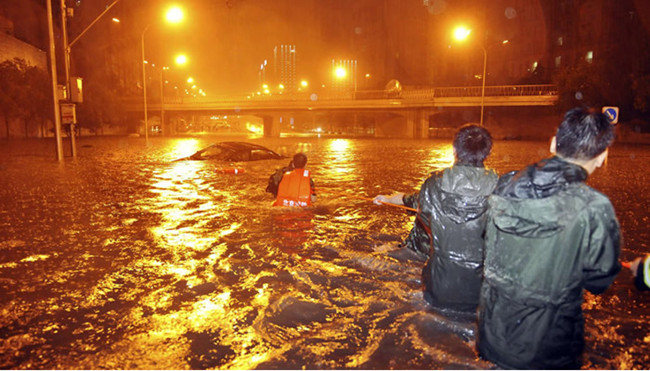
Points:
[583,135]
[473,144]
[299,160]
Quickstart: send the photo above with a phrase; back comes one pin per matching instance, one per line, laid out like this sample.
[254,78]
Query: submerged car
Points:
[234,152]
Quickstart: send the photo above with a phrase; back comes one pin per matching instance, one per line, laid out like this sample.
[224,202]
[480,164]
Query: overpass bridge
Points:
[407,110]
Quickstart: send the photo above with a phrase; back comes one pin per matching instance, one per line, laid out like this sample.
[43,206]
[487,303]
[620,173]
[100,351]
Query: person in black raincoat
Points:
[452,205]
[276,178]
[549,236]
[640,268]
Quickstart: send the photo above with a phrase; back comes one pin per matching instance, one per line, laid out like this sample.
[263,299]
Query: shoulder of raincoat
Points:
[276,178]
[642,279]
[548,237]
[452,206]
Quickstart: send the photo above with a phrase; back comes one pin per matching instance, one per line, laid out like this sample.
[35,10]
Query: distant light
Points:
[181,59]
[281,86]
[367,75]
[340,72]
[190,80]
[116,20]
[174,14]
[505,42]
[461,33]
[146,62]
[304,83]
[265,86]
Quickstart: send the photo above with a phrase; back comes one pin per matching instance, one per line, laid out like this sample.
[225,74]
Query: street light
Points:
[181,59]
[461,34]
[173,15]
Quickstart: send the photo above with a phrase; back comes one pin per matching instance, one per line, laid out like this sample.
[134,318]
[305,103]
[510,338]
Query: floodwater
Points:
[123,259]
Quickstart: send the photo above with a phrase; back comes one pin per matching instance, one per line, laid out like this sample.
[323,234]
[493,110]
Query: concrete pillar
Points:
[417,124]
[271,126]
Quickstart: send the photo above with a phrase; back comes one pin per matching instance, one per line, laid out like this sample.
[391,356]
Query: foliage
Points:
[24,95]
[579,85]
[101,106]
[641,88]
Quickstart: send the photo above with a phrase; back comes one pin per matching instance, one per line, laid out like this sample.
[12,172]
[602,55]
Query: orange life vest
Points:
[295,189]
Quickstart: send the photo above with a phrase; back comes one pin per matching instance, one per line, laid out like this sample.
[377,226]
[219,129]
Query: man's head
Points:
[583,135]
[299,160]
[472,145]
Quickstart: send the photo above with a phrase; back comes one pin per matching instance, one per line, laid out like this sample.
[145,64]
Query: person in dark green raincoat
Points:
[549,236]
[452,206]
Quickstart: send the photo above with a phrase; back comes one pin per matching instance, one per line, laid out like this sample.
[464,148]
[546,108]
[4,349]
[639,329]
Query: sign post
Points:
[69,117]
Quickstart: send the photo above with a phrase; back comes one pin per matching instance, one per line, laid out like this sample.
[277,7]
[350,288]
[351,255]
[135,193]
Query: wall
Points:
[11,48]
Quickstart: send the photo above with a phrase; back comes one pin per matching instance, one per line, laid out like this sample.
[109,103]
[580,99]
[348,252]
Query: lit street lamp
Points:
[174,15]
[180,60]
[461,33]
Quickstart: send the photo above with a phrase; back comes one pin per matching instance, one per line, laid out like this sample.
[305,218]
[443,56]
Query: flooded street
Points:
[124,259]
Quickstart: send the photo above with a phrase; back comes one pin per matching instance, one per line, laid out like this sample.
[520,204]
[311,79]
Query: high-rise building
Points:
[284,68]
[344,75]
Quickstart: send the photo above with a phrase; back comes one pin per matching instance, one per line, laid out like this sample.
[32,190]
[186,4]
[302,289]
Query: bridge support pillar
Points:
[417,124]
[271,126]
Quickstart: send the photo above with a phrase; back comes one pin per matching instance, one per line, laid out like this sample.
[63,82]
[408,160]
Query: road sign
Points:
[68,113]
[611,113]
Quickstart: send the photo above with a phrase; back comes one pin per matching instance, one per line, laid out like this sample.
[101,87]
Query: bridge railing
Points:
[408,93]
[475,91]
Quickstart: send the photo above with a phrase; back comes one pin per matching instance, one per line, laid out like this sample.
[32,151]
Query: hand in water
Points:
[379,199]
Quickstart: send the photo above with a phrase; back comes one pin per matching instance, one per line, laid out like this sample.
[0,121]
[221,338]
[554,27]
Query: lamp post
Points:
[66,59]
[144,86]
[461,33]
[174,15]
[162,97]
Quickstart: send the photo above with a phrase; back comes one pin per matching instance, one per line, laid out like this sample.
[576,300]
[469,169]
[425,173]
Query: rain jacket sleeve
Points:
[602,262]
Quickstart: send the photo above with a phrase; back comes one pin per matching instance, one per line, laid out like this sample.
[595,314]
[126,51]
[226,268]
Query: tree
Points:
[10,77]
[101,106]
[641,88]
[38,98]
[579,85]
[24,95]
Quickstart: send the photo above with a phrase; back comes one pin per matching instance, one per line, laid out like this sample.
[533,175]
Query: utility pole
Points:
[66,61]
[57,113]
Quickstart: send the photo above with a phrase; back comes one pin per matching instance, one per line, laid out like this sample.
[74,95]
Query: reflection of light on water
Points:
[341,163]
[439,158]
[185,147]
[339,145]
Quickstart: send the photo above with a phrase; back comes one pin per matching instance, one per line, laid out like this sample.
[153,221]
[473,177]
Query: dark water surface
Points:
[123,259]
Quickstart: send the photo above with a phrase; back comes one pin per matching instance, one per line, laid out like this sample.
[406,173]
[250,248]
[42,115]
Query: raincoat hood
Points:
[519,206]
[541,180]
[463,192]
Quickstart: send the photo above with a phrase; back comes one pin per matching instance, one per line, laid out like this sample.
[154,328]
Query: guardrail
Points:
[416,95]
